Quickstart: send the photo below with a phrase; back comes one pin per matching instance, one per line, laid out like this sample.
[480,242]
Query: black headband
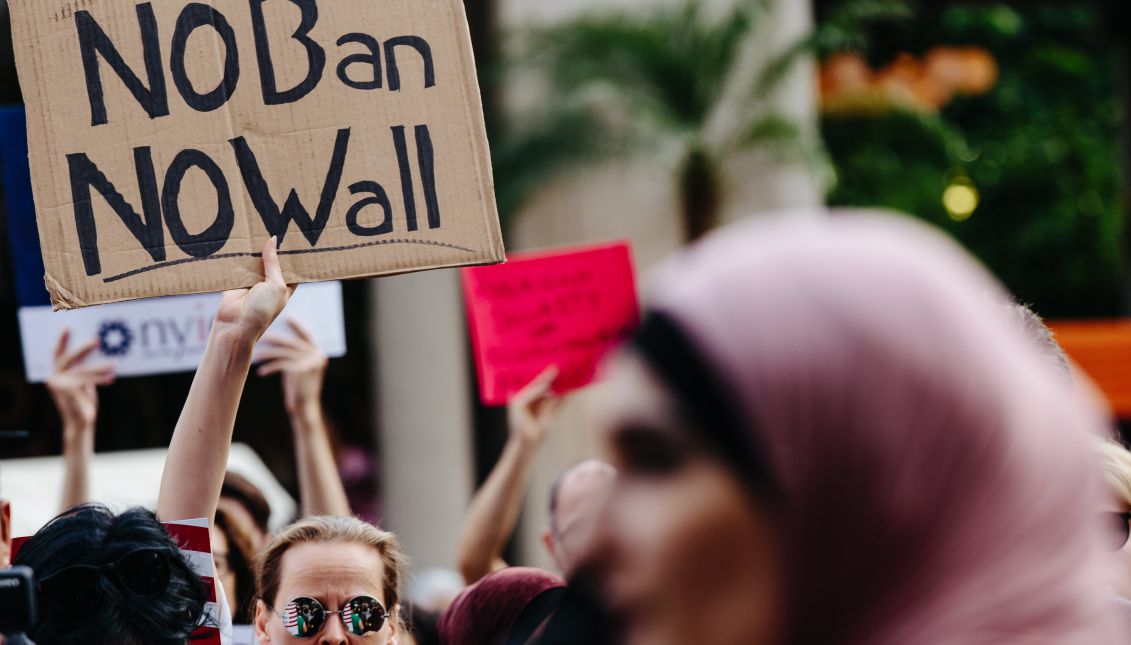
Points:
[535,613]
[707,398]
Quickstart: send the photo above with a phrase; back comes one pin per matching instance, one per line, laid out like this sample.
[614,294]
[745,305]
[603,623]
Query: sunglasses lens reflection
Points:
[303,617]
[363,615]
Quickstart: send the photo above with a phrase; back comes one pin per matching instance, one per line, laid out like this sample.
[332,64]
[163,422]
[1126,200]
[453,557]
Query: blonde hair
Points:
[1117,469]
[330,530]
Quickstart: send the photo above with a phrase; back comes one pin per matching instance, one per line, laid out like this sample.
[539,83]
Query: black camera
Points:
[17,600]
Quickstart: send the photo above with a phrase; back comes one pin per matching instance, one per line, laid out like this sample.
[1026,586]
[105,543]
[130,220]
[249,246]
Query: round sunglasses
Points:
[76,591]
[304,617]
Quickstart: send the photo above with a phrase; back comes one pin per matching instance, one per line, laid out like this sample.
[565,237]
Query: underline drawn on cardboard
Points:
[181,129]
[229,256]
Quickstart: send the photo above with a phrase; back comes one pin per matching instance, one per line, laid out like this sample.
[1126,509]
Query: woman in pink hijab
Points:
[827,434]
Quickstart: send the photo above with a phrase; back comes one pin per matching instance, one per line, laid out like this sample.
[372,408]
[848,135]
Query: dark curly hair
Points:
[93,535]
[241,560]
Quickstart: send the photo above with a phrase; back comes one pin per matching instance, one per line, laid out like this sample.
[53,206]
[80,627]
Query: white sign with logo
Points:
[167,335]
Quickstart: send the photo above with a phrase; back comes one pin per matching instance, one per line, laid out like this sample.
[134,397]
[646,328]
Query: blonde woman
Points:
[325,579]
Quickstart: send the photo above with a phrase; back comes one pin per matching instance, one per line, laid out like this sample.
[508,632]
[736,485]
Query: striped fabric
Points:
[352,620]
[290,618]
[196,547]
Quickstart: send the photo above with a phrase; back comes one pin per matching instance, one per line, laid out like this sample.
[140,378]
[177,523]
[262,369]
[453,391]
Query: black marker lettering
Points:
[422,47]
[407,190]
[379,197]
[213,238]
[315,55]
[278,221]
[86,175]
[198,15]
[93,42]
[373,59]
[426,157]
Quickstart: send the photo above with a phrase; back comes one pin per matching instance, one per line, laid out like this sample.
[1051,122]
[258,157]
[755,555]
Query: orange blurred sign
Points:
[1102,349]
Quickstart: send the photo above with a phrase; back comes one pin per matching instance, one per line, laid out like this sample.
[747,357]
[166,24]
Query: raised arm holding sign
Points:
[565,307]
[198,453]
[169,140]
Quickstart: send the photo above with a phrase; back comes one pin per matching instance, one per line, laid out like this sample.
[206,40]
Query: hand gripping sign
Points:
[170,139]
[566,307]
[154,336]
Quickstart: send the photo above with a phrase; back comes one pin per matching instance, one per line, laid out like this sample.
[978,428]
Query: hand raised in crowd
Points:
[73,383]
[198,452]
[493,512]
[245,314]
[302,364]
[533,407]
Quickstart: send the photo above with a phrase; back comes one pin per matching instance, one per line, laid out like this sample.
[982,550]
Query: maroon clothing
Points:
[486,612]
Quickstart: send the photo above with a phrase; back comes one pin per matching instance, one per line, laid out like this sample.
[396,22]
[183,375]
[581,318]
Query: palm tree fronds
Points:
[530,154]
[671,64]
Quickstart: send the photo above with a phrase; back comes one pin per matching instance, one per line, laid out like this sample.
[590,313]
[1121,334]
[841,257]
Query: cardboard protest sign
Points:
[157,336]
[170,139]
[566,308]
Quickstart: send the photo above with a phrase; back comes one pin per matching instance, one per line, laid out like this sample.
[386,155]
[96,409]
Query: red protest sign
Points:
[565,307]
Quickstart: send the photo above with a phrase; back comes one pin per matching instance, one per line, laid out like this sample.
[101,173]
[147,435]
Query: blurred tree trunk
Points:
[481,24]
[700,193]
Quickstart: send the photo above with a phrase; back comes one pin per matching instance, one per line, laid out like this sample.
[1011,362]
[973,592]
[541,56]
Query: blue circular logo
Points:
[114,338]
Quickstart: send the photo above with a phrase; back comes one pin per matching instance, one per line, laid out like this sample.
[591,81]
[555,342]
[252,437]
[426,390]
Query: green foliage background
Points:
[1043,148]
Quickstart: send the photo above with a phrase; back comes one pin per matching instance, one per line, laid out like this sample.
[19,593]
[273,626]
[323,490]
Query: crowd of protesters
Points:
[829,429]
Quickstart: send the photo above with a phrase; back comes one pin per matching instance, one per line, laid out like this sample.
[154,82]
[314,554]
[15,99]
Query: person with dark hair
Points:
[106,578]
[235,546]
[823,435]
[575,496]
[95,568]
[423,626]
[247,506]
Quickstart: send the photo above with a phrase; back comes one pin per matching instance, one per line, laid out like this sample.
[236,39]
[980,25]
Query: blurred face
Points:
[332,574]
[689,556]
[581,497]
[220,552]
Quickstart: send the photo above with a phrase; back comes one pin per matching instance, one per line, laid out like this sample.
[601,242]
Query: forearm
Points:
[494,511]
[78,452]
[198,452]
[320,484]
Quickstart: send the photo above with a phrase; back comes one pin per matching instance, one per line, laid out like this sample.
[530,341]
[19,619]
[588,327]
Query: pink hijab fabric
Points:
[936,484]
